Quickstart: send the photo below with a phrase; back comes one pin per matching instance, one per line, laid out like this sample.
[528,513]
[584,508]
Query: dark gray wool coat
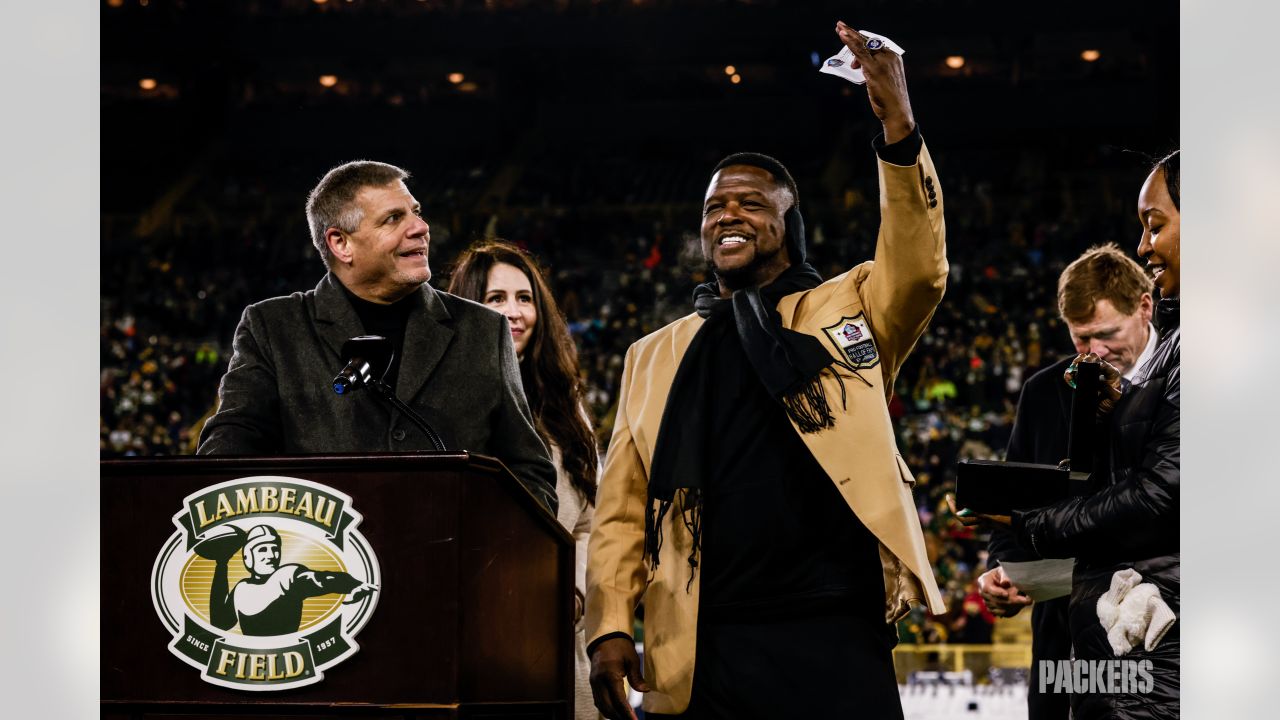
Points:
[458,369]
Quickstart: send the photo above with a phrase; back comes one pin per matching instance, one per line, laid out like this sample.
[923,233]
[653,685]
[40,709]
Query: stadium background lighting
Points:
[147,83]
[955,62]
[467,87]
[456,78]
[328,80]
[735,79]
[730,70]
[1090,55]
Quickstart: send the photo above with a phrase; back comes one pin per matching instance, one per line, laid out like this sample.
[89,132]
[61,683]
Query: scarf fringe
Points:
[654,512]
[691,515]
[808,408]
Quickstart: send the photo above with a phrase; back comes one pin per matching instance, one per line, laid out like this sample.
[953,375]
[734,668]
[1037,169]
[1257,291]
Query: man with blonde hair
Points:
[1104,297]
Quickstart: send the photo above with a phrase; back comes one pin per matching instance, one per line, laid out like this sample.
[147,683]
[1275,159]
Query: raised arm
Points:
[909,275]
[311,583]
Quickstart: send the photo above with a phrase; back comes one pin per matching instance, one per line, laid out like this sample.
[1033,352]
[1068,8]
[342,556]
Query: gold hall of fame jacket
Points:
[892,298]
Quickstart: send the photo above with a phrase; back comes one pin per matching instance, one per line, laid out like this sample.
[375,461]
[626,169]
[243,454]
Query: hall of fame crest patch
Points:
[852,337]
[266,582]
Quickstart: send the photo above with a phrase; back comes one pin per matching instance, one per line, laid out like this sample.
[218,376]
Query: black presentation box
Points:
[996,488]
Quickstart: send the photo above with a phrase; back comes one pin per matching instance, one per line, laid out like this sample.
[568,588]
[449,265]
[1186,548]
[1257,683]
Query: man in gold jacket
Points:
[753,496]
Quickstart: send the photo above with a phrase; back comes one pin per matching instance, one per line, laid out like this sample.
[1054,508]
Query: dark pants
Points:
[1050,640]
[827,666]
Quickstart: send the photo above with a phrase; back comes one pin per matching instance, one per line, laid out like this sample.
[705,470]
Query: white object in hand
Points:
[1133,613]
[841,64]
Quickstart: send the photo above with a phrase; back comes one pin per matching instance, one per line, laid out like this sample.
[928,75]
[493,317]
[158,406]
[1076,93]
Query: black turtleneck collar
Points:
[368,309]
[389,321]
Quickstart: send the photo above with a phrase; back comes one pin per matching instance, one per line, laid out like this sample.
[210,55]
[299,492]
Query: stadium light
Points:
[328,80]
[955,62]
[115,3]
[147,83]
[456,78]
[467,87]
[730,70]
[1090,55]
[319,2]
[735,79]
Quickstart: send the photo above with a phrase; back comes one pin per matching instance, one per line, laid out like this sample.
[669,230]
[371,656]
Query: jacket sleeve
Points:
[1118,519]
[1004,543]
[248,418]
[616,572]
[909,274]
[516,442]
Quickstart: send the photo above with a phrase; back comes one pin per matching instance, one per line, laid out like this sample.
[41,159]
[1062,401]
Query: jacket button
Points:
[398,435]
[928,181]
[933,203]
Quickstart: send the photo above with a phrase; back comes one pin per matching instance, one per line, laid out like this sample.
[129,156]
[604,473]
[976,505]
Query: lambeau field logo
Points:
[266,582]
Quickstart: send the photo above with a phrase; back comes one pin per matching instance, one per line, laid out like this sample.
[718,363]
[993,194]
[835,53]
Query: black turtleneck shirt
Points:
[778,539]
[389,321]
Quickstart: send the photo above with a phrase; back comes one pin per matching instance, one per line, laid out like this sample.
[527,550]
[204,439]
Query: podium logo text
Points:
[266,582]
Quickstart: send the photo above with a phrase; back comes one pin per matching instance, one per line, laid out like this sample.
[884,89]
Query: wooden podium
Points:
[474,616]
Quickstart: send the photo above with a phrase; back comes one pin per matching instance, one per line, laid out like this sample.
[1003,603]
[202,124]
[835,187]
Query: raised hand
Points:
[886,84]
[1112,383]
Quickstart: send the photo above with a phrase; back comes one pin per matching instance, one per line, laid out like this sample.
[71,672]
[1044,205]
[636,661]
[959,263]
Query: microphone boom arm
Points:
[386,393]
[368,357]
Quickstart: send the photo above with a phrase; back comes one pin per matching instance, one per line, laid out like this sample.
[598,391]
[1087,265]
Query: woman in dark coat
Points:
[1129,523]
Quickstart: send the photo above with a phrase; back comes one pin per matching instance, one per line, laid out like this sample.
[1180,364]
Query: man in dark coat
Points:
[1105,299]
[1128,525]
[454,362]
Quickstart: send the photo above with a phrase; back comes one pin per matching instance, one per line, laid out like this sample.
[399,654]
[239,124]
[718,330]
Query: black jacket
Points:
[1040,431]
[1129,521]
[458,369]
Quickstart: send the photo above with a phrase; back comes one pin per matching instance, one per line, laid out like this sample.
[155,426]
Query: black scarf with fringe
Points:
[788,363]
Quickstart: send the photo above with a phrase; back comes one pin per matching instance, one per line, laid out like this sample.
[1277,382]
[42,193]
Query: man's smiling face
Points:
[389,249]
[743,226]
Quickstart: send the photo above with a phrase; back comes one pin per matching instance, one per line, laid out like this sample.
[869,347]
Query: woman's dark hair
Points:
[1172,176]
[549,369]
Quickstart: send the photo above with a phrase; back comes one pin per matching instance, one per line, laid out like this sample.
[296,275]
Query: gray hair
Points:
[332,202]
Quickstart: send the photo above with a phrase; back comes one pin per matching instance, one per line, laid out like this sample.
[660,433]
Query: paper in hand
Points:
[1041,579]
[841,63]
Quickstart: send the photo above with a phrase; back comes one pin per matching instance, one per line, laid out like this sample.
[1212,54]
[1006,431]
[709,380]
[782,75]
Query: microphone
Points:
[368,357]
